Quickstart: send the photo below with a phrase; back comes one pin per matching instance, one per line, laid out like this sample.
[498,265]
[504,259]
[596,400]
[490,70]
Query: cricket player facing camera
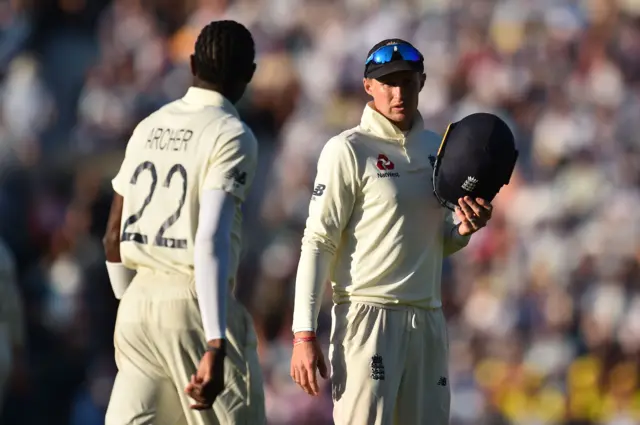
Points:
[185,349]
[377,232]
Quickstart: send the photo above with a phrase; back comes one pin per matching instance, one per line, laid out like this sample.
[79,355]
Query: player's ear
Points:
[368,86]
[251,73]
[423,78]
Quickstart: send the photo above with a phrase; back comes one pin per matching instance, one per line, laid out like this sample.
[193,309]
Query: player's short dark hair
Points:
[224,53]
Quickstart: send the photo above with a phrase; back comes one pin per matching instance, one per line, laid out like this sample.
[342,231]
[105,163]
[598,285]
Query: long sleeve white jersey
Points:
[195,144]
[375,229]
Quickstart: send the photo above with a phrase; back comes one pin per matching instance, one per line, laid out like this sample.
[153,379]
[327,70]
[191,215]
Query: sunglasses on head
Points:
[385,54]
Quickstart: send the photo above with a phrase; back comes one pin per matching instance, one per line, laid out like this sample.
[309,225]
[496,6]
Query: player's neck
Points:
[404,126]
[230,94]
[206,86]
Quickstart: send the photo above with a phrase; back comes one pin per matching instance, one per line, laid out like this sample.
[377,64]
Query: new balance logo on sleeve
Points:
[442,382]
[237,176]
[319,190]
[470,183]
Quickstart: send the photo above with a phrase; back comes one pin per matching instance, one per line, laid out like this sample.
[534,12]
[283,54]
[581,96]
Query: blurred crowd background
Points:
[544,304]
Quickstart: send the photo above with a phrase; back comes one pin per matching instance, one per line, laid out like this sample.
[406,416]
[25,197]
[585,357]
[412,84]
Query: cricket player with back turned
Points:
[185,349]
[377,232]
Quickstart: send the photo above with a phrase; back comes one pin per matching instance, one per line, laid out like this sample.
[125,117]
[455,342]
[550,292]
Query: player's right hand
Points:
[208,382]
[306,358]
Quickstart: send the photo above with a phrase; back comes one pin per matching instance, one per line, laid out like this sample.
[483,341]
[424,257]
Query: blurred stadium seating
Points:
[543,306]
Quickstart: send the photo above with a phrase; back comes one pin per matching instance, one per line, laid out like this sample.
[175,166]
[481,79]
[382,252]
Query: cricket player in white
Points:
[185,349]
[377,233]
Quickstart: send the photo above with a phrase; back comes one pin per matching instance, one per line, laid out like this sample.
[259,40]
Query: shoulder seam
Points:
[346,140]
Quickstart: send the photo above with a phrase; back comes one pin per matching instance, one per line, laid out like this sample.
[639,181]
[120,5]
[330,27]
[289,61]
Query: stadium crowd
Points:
[543,305]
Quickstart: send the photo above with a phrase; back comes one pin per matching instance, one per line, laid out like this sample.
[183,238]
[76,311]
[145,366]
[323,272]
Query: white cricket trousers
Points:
[389,366]
[159,341]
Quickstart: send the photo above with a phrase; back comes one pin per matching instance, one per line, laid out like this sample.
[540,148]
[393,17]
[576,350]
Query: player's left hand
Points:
[208,382]
[473,214]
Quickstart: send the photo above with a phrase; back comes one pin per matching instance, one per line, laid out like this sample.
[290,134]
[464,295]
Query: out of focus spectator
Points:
[12,327]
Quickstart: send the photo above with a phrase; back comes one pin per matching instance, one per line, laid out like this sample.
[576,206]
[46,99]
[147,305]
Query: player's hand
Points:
[306,358]
[473,214]
[208,382]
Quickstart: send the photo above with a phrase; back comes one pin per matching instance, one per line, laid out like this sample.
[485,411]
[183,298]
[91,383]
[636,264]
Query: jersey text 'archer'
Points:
[168,139]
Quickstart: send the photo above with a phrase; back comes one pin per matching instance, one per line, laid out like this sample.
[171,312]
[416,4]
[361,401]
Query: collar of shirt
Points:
[204,97]
[377,124]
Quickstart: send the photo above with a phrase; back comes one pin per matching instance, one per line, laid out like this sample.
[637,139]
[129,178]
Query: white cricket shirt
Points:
[375,229]
[189,146]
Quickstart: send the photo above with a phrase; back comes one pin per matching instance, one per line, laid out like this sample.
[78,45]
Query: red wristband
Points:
[301,339]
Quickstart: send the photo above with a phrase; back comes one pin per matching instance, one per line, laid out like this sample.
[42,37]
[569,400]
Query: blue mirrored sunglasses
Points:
[385,53]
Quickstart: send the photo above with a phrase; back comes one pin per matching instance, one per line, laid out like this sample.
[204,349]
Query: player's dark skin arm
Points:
[111,240]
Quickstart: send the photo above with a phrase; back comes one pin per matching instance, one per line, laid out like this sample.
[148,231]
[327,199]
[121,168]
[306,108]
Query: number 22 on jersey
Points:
[158,239]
